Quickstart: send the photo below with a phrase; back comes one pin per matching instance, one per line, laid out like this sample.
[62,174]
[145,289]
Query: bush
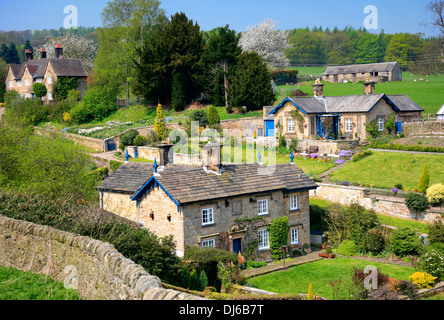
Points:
[436,233]
[213,116]
[435,194]
[114,165]
[254,264]
[140,141]
[362,155]
[396,146]
[39,90]
[405,242]
[432,262]
[373,241]
[422,280]
[278,232]
[127,138]
[417,202]
[406,288]
[348,248]
[97,104]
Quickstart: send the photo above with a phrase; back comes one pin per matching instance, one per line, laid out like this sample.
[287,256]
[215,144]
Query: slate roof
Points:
[63,67]
[361,68]
[187,184]
[404,103]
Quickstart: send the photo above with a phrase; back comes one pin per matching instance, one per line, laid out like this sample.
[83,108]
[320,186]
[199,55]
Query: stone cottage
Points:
[213,205]
[384,71]
[21,77]
[338,117]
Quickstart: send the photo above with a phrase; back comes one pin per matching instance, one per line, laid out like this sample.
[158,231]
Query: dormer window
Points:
[27,82]
[19,83]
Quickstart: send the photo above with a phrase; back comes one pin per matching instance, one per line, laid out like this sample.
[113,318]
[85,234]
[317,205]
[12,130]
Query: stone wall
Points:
[423,128]
[243,125]
[381,204]
[96,268]
[327,146]
[94,143]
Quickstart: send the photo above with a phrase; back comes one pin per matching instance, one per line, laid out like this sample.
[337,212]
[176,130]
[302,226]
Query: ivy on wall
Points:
[64,85]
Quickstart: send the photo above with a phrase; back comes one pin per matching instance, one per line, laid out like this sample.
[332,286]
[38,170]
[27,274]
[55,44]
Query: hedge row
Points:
[401,147]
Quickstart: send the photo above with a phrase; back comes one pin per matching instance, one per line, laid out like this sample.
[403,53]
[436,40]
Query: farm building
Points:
[21,77]
[440,114]
[386,71]
[212,205]
[340,117]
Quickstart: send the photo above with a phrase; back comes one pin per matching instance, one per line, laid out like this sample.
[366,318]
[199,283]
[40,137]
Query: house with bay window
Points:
[228,206]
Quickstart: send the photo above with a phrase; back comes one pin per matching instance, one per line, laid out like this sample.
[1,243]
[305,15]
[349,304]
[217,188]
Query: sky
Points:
[392,15]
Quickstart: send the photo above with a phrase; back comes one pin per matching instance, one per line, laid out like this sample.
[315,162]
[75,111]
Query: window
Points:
[39,80]
[207,216]
[290,123]
[294,205]
[19,83]
[27,83]
[294,236]
[208,243]
[380,124]
[49,80]
[50,96]
[348,124]
[264,240]
[11,84]
[262,207]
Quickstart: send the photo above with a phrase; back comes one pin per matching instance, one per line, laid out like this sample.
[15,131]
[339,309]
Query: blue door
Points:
[111,145]
[136,152]
[237,245]
[269,128]
[399,127]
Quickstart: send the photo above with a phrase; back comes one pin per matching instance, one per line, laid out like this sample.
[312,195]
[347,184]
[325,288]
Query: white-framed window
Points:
[294,233]
[208,243]
[262,207]
[294,202]
[380,124]
[19,83]
[39,80]
[27,82]
[11,84]
[50,96]
[348,124]
[290,123]
[207,216]
[49,80]
[264,239]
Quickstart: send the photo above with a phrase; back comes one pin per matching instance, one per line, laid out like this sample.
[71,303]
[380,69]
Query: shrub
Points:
[159,124]
[114,165]
[255,264]
[282,141]
[348,248]
[97,103]
[127,138]
[362,155]
[278,232]
[359,221]
[436,232]
[417,202]
[39,90]
[140,140]
[213,116]
[435,194]
[293,144]
[432,262]
[424,180]
[373,241]
[422,280]
[405,242]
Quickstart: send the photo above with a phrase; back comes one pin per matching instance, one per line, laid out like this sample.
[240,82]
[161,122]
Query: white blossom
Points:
[268,42]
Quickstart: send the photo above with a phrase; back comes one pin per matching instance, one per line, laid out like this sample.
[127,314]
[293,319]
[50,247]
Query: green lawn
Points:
[429,95]
[297,279]
[20,285]
[385,169]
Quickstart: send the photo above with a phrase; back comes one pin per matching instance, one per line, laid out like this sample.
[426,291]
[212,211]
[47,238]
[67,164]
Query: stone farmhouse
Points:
[213,205]
[385,71]
[21,77]
[337,118]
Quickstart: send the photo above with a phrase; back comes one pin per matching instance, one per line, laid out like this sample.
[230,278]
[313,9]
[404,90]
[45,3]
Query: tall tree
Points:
[126,24]
[251,84]
[268,42]
[436,7]
[404,48]
[220,55]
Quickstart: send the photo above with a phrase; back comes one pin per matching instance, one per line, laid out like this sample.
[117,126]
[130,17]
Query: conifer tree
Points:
[213,116]
[159,124]
[424,181]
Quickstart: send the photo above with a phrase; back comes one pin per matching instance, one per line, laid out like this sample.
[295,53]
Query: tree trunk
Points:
[226,81]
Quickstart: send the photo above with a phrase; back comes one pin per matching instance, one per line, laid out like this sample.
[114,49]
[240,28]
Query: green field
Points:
[20,285]
[297,279]
[385,169]
[429,95]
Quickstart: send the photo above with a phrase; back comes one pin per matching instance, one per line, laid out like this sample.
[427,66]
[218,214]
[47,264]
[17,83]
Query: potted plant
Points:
[328,253]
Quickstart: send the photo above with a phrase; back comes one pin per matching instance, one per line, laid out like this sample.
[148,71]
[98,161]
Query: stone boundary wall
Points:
[381,204]
[97,268]
[242,124]
[423,128]
[94,143]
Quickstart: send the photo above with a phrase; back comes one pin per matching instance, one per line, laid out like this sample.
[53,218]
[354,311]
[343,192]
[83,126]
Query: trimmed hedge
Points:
[401,147]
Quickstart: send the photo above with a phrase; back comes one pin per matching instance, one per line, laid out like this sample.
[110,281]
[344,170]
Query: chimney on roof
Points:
[28,55]
[42,53]
[211,157]
[58,50]
[369,87]
[318,89]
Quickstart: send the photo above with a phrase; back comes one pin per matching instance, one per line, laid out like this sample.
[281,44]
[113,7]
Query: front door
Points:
[237,245]
[269,128]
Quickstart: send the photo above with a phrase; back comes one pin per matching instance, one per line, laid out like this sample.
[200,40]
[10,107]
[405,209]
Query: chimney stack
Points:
[164,150]
[42,53]
[28,55]
[318,89]
[211,157]
[58,50]
[369,87]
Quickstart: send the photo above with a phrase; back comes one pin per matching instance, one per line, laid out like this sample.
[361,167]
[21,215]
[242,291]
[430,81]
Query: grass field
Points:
[297,279]
[20,285]
[385,169]
[429,95]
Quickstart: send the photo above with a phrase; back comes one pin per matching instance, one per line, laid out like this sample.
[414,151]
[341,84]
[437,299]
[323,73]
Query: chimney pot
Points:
[42,53]
[58,50]
[28,55]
